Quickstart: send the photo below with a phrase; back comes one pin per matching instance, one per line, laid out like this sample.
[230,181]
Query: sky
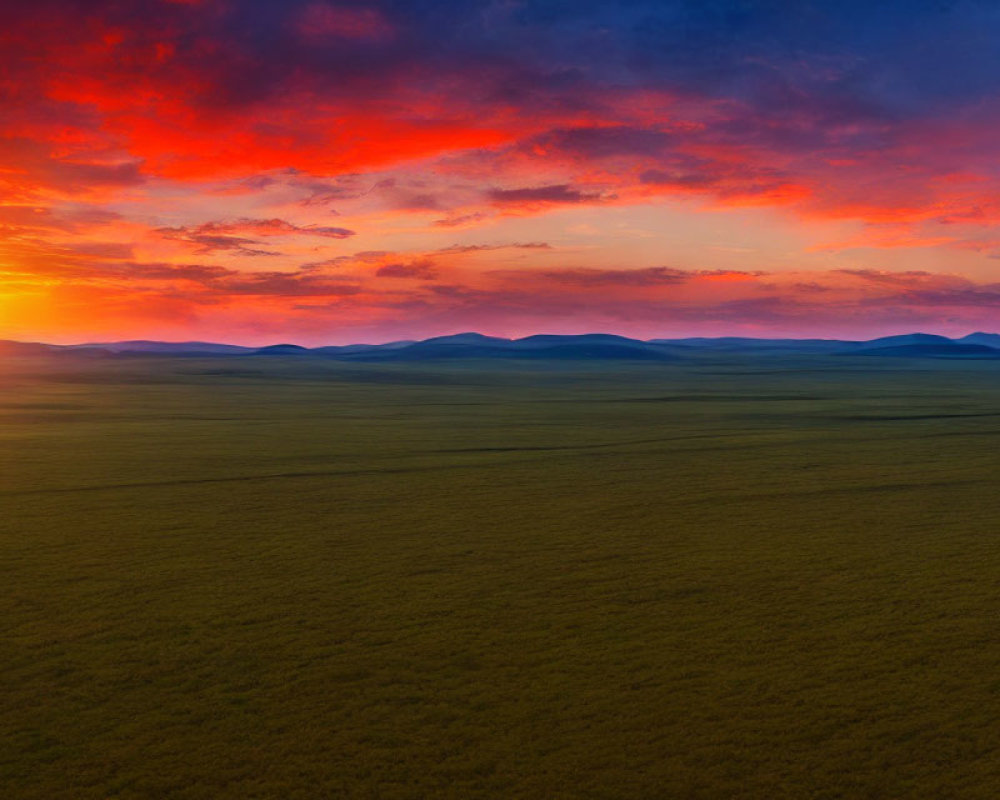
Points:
[328,173]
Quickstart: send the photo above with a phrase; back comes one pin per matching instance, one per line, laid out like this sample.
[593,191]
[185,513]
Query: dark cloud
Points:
[474,248]
[681,178]
[619,277]
[421,201]
[606,141]
[214,236]
[969,297]
[421,270]
[902,278]
[211,243]
[272,227]
[555,194]
[460,220]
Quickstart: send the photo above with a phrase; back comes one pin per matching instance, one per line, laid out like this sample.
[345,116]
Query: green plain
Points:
[282,578]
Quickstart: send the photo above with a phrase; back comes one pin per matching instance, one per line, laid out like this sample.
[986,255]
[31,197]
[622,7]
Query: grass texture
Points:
[276,578]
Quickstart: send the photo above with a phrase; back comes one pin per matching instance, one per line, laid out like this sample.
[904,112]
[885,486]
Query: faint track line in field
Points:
[594,446]
[865,489]
[569,448]
[233,479]
[377,471]
[344,473]
[712,398]
[906,417]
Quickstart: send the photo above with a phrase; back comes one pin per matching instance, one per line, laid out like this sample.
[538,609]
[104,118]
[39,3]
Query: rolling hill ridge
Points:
[591,346]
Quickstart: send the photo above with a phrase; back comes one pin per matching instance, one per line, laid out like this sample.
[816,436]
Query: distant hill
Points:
[587,346]
[9,348]
[463,339]
[988,339]
[549,340]
[345,349]
[748,343]
[907,339]
[472,345]
[282,350]
[947,349]
[164,348]
[593,350]
[37,349]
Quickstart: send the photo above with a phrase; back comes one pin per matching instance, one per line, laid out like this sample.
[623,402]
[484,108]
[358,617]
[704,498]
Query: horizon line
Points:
[279,343]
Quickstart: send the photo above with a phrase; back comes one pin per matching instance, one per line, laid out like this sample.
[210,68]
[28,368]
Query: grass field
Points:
[270,578]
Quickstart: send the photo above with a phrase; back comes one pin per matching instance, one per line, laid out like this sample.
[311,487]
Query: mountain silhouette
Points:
[574,347]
